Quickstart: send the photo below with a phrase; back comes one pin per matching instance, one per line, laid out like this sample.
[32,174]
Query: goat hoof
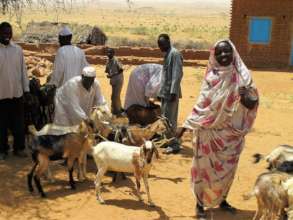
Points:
[43,195]
[73,187]
[31,190]
[151,204]
[101,201]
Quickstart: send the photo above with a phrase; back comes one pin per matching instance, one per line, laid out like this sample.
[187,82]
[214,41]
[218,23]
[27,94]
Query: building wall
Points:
[277,52]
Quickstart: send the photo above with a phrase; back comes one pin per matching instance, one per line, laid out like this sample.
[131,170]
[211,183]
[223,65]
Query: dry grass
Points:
[189,28]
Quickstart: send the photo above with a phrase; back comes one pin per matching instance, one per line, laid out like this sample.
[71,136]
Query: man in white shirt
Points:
[69,60]
[75,100]
[14,87]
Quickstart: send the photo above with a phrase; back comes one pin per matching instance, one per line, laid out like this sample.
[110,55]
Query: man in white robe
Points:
[69,60]
[143,84]
[75,100]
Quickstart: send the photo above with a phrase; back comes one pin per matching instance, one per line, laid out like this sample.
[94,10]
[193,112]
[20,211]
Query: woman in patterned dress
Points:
[223,115]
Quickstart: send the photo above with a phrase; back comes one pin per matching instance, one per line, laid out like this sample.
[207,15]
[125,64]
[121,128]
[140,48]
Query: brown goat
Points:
[135,135]
[71,147]
[271,196]
[138,114]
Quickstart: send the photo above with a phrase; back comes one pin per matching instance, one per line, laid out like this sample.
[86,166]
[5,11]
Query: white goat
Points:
[281,158]
[112,156]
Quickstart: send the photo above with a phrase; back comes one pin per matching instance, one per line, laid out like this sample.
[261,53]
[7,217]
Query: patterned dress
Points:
[219,123]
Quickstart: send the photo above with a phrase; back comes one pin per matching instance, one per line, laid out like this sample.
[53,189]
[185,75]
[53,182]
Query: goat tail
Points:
[258,157]
[249,195]
[32,129]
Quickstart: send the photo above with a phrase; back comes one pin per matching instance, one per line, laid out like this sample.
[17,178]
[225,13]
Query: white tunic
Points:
[69,62]
[144,81]
[73,102]
[13,72]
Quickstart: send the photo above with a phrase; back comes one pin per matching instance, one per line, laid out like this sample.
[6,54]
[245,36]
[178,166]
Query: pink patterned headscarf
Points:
[219,96]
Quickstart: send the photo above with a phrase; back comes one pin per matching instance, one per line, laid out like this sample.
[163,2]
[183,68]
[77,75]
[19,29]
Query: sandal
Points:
[225,206]
[200,213]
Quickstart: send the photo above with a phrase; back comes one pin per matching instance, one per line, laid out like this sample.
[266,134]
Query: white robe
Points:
[73,102]
[69,62]
[144,81]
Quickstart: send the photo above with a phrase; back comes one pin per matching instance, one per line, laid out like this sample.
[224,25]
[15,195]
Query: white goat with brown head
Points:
[112,156]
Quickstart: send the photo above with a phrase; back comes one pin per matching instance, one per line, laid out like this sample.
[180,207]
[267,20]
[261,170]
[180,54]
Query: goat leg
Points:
[138,188]
[146,184]
[114,177]
[49,175]
[71,180]
[98,181]
[30,178]
[81,171]
[260,209]
[39,186]
[123,176]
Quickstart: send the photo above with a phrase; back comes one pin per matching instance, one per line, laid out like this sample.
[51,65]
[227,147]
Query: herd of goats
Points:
[125,144]
[129,145]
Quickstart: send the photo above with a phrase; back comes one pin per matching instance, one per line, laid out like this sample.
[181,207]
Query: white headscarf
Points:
[238,64]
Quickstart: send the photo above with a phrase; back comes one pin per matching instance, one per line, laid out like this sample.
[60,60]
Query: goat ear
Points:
[144,148]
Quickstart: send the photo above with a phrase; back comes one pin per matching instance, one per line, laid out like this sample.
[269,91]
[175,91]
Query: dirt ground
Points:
[169,180]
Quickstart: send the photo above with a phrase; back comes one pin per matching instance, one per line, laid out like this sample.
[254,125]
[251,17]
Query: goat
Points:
[117,157]
[71,147]
[138,114]
[281,158]
[39,108]
[271,196]
[135,135]
[288,186]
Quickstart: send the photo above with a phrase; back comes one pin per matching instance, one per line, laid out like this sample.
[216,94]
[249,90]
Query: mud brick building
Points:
[262,31]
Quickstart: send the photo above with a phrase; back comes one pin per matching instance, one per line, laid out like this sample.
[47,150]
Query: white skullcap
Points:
[89,71]
[65,31]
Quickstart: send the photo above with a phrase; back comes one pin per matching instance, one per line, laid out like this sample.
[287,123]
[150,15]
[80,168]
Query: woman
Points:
[224,113]
[144,83]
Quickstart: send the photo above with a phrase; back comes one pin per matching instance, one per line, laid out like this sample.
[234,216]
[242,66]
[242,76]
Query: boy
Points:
[114,72]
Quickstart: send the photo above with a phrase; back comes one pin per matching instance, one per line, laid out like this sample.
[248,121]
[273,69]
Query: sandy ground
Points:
[169,180]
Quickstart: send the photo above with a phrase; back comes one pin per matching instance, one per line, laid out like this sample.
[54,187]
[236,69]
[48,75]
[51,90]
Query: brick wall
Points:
[277,52]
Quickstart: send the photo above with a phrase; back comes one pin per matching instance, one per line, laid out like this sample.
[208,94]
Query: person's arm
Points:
[84,62]
[247,100]
[120,67]
[177,73]
[24,77]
